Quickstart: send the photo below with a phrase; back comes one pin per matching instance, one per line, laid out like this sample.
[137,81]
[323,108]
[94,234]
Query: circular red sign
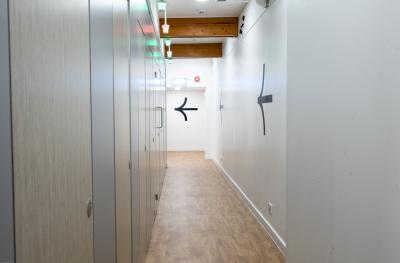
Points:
[197,79]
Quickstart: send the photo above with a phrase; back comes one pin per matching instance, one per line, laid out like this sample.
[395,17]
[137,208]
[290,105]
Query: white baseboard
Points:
[279,241]
[208,156]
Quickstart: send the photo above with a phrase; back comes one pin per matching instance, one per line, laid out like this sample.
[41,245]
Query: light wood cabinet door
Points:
[122,130]
[50,73]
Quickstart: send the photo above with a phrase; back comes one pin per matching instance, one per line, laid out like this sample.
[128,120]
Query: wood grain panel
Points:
[50,74]
[138,76]
[6,188]
[202,27]
[122,131]
[206,50]
[149,134]
[140,87]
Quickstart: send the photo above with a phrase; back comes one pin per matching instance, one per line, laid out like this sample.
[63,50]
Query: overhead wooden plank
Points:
[202,27]
[203,50]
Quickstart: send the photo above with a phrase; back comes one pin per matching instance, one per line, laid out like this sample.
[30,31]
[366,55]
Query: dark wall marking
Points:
[182,109]
[263,99]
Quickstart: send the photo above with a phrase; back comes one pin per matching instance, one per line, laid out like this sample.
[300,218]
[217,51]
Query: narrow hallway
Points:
[201,219]
[199,131]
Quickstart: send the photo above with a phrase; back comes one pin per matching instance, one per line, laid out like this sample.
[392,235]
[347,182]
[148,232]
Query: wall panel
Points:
[102,82]
[50,76]
[343,131]
[54,101]
[122,128]
[139,158]
[145,154]
[6,187]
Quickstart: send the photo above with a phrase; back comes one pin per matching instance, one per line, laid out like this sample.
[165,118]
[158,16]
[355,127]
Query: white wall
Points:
[193,135]
[255,162]
[343,131]
[189,68]
[186,135]
[212,97]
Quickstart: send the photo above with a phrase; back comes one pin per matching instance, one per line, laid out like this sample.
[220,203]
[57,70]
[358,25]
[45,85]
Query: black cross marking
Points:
[263,99]
[182,110]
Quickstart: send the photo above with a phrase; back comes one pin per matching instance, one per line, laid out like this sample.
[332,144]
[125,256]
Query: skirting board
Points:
[208,156]
[278,240]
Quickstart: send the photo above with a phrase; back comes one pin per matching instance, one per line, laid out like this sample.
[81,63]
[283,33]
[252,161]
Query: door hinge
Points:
[156,197]
[130,165]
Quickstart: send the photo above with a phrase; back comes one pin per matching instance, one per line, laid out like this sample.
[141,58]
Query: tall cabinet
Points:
[148,111]
[50,86]
[88,129]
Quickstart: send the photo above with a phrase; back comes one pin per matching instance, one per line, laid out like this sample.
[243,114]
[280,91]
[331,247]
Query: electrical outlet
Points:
[270,208]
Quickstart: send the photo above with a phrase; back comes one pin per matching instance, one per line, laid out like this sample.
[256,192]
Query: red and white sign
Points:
[197,79]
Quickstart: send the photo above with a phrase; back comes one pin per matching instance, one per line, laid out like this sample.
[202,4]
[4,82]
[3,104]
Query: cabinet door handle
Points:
[162,117]
[89,207]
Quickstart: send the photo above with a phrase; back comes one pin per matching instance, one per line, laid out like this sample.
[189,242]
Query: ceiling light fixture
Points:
[165,27]
[169,52]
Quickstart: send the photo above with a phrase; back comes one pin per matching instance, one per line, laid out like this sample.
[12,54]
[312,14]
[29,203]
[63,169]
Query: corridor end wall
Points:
[194,134]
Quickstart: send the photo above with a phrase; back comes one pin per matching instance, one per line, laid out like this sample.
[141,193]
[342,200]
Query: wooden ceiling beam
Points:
[203,50]
[202,27]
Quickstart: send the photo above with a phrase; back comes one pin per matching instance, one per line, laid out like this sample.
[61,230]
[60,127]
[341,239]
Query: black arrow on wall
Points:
[263,99]
[182,109]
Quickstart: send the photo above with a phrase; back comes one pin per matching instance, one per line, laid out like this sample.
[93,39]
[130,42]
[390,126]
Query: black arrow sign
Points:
[182,110]
[263,99]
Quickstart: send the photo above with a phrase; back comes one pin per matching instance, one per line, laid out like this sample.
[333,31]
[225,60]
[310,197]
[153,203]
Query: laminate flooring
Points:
[201,219]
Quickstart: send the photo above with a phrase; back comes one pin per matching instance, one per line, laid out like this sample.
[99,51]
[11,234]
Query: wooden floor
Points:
[201,219]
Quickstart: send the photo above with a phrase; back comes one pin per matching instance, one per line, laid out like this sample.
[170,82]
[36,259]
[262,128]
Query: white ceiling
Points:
[213,8]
